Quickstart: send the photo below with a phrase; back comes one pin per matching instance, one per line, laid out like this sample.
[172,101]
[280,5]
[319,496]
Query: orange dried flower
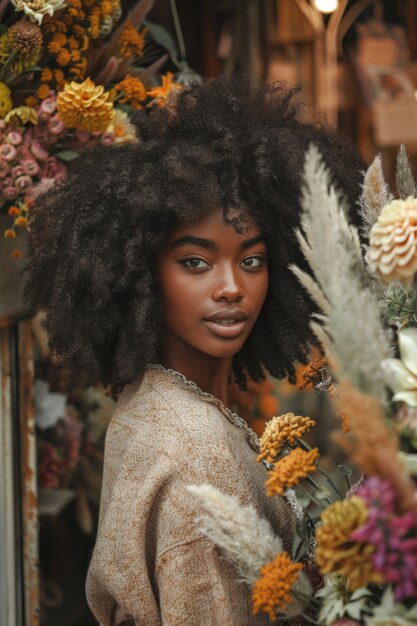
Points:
[283,429]
[272,590]
[131,42]
[289,470]
[10,234]
[17,254]
[46,75]
[134,91]
[13,211]
[63,57]
[313,373]
[162,93]
[21,221]
[43,91]
[31,101]
[336,552]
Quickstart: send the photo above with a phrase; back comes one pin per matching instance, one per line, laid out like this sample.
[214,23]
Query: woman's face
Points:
[213,281]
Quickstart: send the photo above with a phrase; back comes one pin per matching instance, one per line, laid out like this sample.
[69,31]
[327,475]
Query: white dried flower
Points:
[37,9]
[392,253]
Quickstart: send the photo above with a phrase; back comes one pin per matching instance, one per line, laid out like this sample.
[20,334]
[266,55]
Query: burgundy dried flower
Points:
[392,535]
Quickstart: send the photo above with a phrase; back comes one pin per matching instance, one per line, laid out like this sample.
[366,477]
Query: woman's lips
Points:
[227,330]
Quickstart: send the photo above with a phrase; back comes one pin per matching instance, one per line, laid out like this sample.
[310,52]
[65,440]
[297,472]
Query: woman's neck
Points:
[208,373]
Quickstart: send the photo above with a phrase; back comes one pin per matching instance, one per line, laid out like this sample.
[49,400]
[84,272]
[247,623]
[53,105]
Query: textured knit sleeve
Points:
[197,587]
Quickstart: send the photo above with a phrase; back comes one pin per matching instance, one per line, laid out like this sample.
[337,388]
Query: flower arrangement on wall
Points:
[71,72]
[354,561]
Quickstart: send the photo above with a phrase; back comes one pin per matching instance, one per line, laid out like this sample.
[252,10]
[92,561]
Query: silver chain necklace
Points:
[235,419]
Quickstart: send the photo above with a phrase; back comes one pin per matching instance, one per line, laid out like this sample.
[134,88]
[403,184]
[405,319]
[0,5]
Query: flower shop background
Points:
[70,73]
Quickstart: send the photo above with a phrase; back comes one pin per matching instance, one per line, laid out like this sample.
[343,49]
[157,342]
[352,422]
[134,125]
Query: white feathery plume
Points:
[375,195]
[351,330]
[406,185]
[246,539]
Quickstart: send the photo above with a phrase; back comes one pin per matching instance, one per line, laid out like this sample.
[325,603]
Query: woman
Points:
[163,271]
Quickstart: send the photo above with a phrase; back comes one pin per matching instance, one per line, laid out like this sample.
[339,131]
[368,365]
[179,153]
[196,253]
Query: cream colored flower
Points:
[122,128]
[392,253]
[23,114]
[390,613]
[401,375]
[37,9]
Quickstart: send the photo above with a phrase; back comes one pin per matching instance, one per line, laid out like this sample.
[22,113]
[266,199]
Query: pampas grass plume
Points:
[246,539]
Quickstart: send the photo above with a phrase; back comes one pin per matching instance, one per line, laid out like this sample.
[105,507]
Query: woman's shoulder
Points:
[161,400]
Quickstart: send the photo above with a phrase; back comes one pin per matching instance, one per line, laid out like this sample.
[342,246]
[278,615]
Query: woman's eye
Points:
[194,263]
[253,262]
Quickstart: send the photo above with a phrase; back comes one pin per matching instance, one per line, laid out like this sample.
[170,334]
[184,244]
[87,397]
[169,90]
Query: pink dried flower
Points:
[53,168]
[4,168]
[14,137]
[3,124]
[38,151]
[392,535]
[107,139]
[23,183]
[8,152]
[47,108]
[30,167]
[56,125]
[9,193]
[17,170]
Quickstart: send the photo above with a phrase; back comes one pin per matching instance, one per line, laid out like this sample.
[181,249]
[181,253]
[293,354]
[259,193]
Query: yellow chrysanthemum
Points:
[23,114]
[336,552]
[85,106]
[163,93]
[133,90]
[282,429]
[273,590]
[131,42]
[6,103]
[290,470]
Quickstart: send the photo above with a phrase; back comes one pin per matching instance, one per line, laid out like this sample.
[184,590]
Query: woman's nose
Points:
[227,286]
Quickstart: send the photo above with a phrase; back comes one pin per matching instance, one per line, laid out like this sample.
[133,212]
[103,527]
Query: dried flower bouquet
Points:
[362,542]
[71,72]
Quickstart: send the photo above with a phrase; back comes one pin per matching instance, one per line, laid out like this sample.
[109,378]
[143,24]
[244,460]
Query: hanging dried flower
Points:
[280,430]
[392,253]
[132,90]
[337,552]
[314,373]
[162,94]
[290,470]
[272,590]
[131,42]
[85,106]
[37,9]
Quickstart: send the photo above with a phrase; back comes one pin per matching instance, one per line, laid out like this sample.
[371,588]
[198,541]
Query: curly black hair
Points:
[94,242]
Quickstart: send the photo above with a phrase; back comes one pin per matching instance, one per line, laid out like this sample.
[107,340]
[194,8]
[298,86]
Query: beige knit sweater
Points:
[152,565]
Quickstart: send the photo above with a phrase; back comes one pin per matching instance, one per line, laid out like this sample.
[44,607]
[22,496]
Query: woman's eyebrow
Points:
[209,244]
[251,242]
[191,239]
